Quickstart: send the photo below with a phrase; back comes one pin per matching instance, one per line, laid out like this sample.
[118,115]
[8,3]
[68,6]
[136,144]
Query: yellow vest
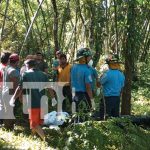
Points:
[64,73]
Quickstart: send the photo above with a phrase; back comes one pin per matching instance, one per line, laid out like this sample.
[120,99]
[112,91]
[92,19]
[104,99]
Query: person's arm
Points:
[88,90]
[88,81]
[17,93]
[14,80]
[96,77]
[18,90]
[103,78]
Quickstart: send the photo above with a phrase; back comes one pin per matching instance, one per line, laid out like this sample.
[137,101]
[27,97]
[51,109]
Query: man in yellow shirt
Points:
[64,70]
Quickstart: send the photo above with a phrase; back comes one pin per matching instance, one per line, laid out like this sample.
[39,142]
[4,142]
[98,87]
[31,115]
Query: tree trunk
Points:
[7,4]
[47,35]
[116,27]
[30,27]
[55,27]
[129,50]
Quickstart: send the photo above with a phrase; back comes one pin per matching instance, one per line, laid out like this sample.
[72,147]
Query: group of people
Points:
[79,82]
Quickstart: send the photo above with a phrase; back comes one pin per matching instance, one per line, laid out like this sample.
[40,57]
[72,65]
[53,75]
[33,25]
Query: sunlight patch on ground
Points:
[12,141]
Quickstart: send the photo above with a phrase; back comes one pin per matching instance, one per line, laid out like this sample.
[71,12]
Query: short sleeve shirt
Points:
[112,82]
[42,66]
[35,93]
[64,74]
[8,73]
[80,76]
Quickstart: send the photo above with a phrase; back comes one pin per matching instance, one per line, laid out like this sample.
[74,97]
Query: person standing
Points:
[94,74]
[112,82]
[33,75]
[10,75]
[3,64]
[41,64]
[64,70]
[81,80]
[55,66]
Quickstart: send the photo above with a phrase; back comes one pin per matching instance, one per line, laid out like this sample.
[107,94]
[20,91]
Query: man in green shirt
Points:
[32,77]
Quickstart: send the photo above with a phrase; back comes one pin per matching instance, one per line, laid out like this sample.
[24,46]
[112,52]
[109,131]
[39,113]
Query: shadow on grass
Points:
[52,135]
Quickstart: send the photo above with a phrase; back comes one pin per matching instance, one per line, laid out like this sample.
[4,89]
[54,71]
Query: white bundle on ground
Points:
[55,118]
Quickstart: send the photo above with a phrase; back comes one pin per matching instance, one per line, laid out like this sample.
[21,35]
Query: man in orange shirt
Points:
[64,69]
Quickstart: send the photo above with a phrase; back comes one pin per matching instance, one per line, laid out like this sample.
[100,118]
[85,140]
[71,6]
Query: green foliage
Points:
[109,135]
[106,135]
[141,91]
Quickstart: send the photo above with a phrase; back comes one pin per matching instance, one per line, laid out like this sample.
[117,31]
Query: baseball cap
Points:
[14,57]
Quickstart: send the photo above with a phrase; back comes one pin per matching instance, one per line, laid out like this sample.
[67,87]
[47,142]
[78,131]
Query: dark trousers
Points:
[112,106]
[109,107]
[83,106]
[82,97]
[67,94]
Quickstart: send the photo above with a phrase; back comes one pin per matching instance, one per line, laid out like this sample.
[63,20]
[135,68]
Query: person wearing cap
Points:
[10,75]
[35,103]
[81,80]
[55,65]
[112,82]
[64,70]
[41,64]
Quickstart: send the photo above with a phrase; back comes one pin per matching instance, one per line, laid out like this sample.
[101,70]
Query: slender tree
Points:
[55,26]
[5,15]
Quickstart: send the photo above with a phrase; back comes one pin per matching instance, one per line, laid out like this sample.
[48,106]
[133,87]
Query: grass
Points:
[16,140]
[107,135]
[140,99]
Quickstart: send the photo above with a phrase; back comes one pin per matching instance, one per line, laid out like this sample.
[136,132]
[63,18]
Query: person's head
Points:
[39,57]
[62,59]
[84,56]
[29,57]
[31,63]
[113,61]
[58,53]
[5,57]
[14,59]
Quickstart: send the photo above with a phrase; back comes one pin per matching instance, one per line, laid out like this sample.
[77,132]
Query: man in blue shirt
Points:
[112,82]
[81,79]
